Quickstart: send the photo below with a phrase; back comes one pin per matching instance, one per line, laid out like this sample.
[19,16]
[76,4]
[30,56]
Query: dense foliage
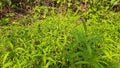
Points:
[60,34]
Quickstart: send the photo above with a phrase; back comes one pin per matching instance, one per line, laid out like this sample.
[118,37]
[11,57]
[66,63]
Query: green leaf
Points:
[6,65]
[5,57]
[81,62]
[10,44]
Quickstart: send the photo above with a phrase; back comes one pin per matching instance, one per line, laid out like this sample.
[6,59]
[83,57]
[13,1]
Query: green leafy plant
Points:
[4,21]
[68,39]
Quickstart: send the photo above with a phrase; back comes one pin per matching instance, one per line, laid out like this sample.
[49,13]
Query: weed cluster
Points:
[44,39]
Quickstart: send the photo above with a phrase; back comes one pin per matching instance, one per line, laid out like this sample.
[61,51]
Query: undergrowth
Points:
[89,39]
